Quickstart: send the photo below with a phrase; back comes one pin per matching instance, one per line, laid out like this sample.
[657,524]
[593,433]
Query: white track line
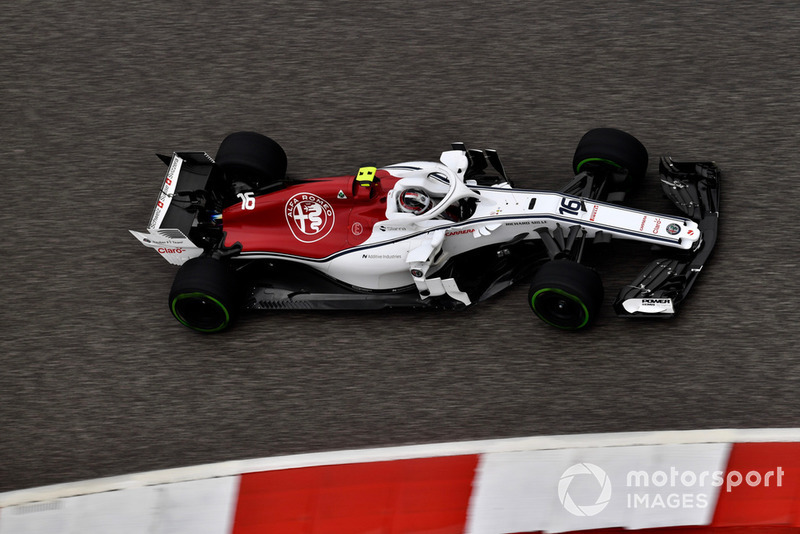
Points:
[237,467]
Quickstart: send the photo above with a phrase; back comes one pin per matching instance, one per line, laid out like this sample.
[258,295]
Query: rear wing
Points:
[171,222]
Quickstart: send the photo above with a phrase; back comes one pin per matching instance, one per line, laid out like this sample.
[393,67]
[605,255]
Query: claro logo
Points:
[657,226]
[163,250]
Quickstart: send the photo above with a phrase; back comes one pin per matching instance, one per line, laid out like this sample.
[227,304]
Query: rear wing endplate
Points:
[171,222]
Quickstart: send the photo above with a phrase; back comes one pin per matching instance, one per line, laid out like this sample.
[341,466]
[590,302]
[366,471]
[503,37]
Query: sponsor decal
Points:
[310,217]
[166,242]
[690,232]
[381,256]
[167,188]
[341,195]
[641,226]
[172,245]
[525,223]
[459,232]
[673,229]
[357,228]
[154,219]
[657,227]
[651,305]
[594,212]
[169,238]
[175,164]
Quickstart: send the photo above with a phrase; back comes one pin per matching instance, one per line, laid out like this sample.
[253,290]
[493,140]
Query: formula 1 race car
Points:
[441,234]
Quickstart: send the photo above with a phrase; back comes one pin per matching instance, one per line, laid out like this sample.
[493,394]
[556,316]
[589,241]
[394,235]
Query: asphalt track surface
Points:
[96,377]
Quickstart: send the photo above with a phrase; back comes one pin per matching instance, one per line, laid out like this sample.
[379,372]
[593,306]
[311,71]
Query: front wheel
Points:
[204,295]
[566,294]
[616,153]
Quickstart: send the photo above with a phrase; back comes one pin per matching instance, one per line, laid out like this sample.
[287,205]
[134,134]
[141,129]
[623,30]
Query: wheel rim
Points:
[596,160]
[200,312]
[559,308]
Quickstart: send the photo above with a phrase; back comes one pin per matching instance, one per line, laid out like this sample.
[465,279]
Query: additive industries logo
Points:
[584,471]
[310,217]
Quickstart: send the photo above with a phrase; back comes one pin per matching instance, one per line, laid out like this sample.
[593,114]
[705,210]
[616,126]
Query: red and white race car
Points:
[443,234]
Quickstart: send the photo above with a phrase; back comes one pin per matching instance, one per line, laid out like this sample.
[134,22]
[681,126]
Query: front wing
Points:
[694,188]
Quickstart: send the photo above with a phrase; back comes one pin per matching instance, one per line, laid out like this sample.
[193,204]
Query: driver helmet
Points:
[414,200]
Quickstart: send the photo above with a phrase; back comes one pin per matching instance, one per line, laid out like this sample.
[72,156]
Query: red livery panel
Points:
[312,219]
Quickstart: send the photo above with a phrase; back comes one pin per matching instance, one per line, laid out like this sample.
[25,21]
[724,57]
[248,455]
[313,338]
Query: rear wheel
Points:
[252,158]
[566,294]
[619,154]
[204,295]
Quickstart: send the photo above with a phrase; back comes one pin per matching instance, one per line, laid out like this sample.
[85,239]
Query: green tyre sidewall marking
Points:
[565,294]
[203,295]
[598,160]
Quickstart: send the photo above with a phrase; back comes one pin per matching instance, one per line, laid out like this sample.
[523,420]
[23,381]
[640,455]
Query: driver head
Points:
[414,200]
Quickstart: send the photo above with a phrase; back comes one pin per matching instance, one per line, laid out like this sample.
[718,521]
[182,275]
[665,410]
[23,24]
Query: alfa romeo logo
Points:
[310,217]
[581,470]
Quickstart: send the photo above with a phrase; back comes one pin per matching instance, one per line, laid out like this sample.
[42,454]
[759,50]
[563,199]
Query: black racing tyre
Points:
[250,156]
[615,148]
[566,294]
[204,295]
